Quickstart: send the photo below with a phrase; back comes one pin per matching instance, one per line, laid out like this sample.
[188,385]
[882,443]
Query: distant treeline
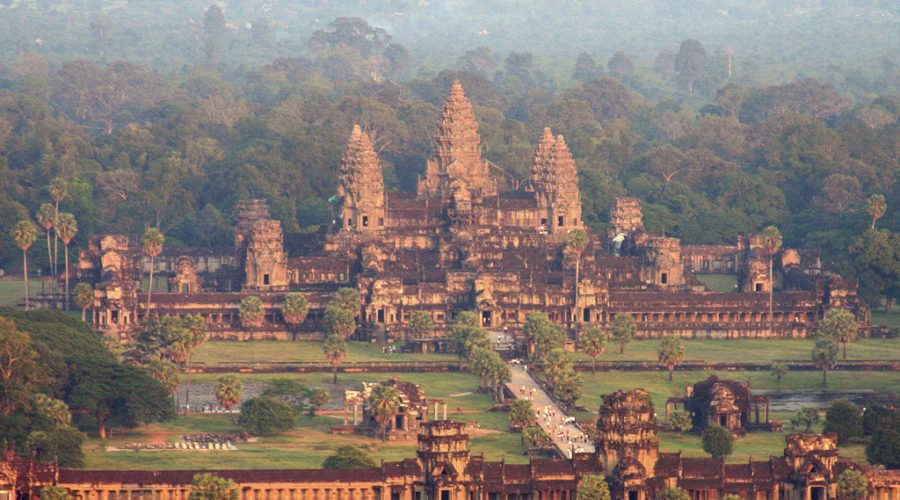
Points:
[710,155]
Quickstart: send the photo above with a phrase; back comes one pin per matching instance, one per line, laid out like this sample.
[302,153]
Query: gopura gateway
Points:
[627,454]
[460,243]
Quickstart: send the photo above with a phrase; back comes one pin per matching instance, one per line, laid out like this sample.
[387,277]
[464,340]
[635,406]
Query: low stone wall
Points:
[460,366]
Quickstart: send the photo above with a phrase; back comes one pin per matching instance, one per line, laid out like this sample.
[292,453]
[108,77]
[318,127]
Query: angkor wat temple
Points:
[461,243]
[627,454]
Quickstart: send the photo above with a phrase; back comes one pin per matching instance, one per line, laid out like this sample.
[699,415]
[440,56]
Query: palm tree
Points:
[46,217]
[152,242]
[67,228]
[196,327]
[876,207]
[335,349]
[671,353]
[294,309]
[593,341]
[24,233]
[383,404]
[575,245]
[59,188]
[229,391]
[772,243]
[251,312]
[84,297]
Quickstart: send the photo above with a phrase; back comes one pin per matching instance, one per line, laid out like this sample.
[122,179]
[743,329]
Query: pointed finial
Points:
[357,131]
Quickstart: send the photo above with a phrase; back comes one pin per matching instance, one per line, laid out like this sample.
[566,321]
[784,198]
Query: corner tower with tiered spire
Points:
[361,186]
[555,183]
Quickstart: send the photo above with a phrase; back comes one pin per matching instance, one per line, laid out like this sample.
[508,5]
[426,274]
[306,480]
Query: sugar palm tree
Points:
[84,297]
[383,403]
[576,242]
[46,217]
[876,207]
[295,308]
[59,188]
[24,233]
[152,242]
[229,391]
[67,228]
[196,328]
[335,349]
[772,243]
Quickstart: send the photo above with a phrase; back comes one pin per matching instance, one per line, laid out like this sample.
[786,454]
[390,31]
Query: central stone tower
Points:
[457,168]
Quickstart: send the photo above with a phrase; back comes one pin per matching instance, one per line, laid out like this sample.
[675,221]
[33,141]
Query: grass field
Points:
[743,350]
[12,291]
[719,282]
[891,319]
[311,442]
[274,351]
[750,350]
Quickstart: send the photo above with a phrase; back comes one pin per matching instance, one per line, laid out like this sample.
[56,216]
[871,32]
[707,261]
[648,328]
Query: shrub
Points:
[212,487]
[844,419]
[718,441]
[266,416]
[680,421]
[349,457]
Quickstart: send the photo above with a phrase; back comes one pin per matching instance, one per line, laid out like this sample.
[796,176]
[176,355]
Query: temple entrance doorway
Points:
[817,493]
[632,495]
[486,317]
[381,315]
[723,420]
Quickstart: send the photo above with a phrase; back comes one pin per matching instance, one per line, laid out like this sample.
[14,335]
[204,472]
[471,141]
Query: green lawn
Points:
[749,350]
[719,282]
[12,291]
[660,388]
[891,319]
[754,350]
[311,442]
[274,351]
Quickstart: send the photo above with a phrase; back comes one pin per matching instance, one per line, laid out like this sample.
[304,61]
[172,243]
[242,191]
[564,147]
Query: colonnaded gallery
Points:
[460,243]
[627,453]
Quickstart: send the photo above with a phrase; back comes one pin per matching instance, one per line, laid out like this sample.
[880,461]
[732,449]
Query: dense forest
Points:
[170,123]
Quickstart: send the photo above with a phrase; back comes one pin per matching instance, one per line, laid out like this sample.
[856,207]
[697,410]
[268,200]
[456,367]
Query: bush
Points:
[266,416]
[878,417]
[844,419]
[852,485]
[212,487]
[593,487]
[673,493]
[349,457]
[884,448]
[521,414]
[718,441]
[679,421]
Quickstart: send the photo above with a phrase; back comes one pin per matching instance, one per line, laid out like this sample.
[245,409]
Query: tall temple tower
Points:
[457,165]
[555,182]
[361,185]
[627,443]
[266,265]
[444,456]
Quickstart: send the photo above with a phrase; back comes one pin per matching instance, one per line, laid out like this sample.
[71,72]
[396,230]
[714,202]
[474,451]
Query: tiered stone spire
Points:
[361,184]
[539,169]
[457,150]
[555,182]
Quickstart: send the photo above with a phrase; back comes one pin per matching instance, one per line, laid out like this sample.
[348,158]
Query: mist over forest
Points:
[721,116]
